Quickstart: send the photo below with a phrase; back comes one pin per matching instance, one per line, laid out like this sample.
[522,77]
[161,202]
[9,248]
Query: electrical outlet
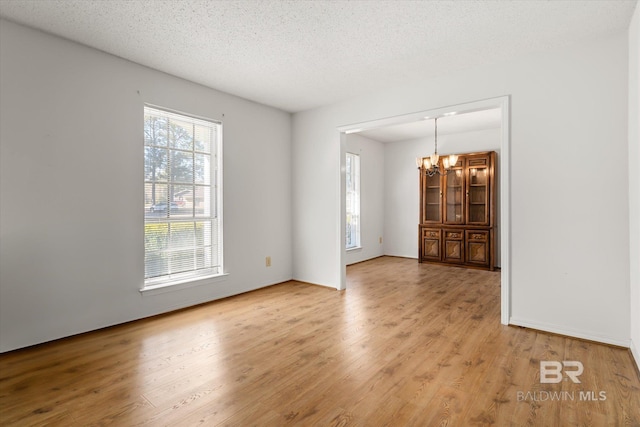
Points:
[267,261]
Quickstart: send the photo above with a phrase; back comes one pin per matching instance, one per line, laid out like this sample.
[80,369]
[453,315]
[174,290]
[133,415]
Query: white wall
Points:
[71,217]
[402,205]
[371,197]
[569,271]
[402,196]
[634,179]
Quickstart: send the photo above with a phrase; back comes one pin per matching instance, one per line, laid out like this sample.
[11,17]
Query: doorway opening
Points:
[490,113]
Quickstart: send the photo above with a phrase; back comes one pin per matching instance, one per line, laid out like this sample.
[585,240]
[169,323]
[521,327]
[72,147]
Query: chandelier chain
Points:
[436,136]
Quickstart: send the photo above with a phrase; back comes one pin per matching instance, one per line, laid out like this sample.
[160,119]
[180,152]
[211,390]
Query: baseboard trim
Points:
[554,329]
[365,260]
[636,355]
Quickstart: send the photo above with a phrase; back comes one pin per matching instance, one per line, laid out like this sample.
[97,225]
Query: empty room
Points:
[319,213]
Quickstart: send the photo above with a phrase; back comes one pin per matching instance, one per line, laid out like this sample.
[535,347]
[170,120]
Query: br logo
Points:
[551,371]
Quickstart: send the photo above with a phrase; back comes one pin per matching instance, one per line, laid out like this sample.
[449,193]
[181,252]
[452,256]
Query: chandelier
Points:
[431,164]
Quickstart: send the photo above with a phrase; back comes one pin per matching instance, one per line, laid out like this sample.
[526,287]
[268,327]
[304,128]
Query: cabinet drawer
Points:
[430,233]
[454,234]
[475,236]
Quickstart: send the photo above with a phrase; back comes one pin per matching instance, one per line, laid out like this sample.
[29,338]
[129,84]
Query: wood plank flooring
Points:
[407,344]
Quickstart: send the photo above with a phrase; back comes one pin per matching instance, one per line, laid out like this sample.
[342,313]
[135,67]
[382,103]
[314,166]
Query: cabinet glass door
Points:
[478,194]
[431,198]
[454,182]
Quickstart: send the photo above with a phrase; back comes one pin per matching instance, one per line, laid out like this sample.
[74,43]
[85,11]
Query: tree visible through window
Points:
[182,230]
[353,200]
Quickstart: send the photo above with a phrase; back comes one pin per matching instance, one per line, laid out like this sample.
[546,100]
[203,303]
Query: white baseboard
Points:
[585,335]
[636,353]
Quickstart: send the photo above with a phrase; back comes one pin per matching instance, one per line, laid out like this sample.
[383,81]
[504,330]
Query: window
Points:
[353,201]
[182,221]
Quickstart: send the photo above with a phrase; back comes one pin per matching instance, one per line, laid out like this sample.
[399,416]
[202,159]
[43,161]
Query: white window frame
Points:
[206,265]
[353,220]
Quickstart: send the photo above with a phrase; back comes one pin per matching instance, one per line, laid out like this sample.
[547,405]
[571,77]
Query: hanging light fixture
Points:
[431,164]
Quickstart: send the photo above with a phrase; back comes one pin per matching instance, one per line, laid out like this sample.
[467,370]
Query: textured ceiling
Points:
[297,55]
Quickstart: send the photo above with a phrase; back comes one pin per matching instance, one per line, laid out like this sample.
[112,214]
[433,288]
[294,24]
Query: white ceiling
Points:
[297,55]
[459,123]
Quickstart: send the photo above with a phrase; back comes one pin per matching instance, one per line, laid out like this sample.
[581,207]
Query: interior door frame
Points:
[502,102]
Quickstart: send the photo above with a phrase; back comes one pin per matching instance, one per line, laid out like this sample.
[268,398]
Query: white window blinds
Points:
[182,230]
[353,200]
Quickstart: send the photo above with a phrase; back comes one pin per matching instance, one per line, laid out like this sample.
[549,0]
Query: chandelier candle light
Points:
[431,164]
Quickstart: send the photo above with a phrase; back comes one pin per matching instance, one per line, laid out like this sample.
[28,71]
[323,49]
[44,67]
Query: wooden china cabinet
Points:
[457,213]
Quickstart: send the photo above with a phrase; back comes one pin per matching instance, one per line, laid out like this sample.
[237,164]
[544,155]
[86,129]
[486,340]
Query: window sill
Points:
[355,248]
[178,285]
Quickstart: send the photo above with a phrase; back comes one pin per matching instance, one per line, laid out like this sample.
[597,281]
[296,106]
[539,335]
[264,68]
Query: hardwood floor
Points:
[407,344]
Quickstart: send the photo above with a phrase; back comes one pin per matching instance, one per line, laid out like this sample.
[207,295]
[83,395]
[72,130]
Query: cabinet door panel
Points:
[453,250]
[477,247]
[430,244]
